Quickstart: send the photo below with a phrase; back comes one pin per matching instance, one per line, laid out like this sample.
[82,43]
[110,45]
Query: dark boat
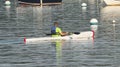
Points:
[37,2]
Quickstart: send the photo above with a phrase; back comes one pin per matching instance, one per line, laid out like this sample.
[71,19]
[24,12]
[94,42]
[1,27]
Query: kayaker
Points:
[56,31]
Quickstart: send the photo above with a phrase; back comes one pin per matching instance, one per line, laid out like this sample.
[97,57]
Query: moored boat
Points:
[112,2]
[37,2]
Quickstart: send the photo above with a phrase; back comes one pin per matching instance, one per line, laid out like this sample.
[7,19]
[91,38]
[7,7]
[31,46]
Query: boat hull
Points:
[87,35]
[37,2]
[112,2]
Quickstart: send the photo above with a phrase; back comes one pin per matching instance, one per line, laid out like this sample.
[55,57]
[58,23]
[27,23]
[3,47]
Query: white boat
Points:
[112,2]
[87,35]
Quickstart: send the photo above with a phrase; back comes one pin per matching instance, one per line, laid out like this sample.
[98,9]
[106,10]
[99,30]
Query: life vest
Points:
[53,30]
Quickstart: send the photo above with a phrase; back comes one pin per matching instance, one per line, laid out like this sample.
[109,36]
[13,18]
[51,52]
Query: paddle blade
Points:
[76,32]
[48,34]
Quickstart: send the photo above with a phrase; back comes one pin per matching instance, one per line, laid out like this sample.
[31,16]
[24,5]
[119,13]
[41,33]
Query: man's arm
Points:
[62,33]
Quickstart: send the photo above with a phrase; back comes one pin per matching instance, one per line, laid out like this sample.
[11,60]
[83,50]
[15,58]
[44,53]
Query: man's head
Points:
[56,23]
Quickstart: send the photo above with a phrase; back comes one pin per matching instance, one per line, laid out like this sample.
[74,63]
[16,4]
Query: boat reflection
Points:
[109,29]
[33,18]
[110,13]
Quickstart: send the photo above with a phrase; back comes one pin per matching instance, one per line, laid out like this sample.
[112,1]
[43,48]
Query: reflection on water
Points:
[108,28]
[110,13]
[58,49]
[35,16]
[67,52]
[7,11]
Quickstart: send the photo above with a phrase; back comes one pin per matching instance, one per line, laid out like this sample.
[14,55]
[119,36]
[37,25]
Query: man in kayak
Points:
[56,31]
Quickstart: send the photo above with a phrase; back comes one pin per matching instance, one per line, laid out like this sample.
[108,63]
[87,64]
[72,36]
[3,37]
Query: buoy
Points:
[94,24]
[7,2]
[84,5]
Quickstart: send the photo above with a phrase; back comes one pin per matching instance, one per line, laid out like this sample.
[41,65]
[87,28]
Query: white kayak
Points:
[87,35]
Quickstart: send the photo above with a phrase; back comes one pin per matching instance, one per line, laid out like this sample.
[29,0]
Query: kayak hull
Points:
[87,35]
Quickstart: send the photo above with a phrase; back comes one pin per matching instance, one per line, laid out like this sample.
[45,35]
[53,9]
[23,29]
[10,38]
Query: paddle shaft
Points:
[68,33]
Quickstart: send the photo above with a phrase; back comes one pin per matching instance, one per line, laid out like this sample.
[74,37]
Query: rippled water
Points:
[19,21]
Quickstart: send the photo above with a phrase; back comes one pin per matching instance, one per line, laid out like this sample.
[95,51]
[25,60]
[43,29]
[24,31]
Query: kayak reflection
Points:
[58,48]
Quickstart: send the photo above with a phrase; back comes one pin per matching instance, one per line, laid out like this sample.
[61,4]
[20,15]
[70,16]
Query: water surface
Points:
[19,21]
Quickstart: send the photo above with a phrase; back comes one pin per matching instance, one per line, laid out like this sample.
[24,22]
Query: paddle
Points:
[68,33]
